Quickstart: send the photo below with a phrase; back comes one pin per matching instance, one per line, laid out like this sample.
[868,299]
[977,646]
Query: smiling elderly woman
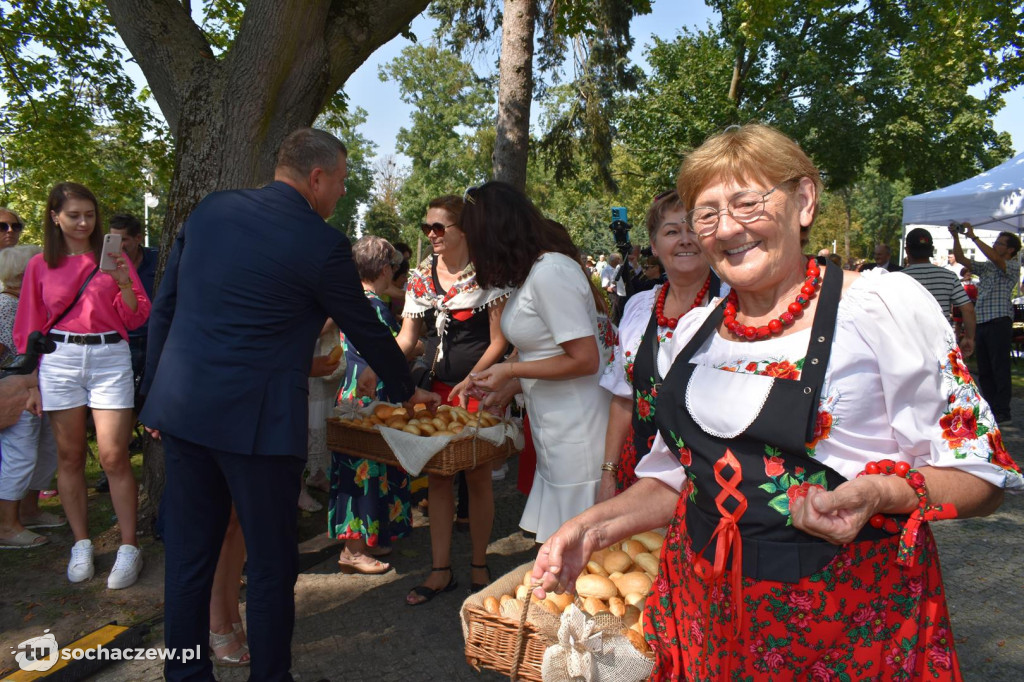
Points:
[783,561]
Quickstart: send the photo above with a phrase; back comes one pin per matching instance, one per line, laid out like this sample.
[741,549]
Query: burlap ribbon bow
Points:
[593,650]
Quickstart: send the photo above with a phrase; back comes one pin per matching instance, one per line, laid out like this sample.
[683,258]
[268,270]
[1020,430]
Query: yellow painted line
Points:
[104,635]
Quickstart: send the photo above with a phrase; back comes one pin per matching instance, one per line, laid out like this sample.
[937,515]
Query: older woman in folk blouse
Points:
[801,547]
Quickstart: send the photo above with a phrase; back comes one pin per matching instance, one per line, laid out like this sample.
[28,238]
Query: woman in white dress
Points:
[552,319]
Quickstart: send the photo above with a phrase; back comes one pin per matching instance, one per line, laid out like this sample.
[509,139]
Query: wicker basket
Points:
[494,641]
[491,643]
[457,456]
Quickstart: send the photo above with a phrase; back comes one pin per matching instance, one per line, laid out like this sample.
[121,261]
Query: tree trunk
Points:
[515,92]
[229,113]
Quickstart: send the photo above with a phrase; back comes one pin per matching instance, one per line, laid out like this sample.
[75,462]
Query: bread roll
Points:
[439,424]
[594,606]
[617,606]
[561,600]
[595,568]
[549,606]
[651,540]
[617,561]
[419,406]
[491,605]
[383,411]
[522,592]
[396,423]
[400,412]
[647,562]
[635,599]
[505,598]
[638,641]
[633,547]
[444,433]
[414,430]
[636,582]
[427,428]
[597,586]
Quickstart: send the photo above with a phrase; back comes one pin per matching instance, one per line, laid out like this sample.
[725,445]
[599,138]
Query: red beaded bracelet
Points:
[925,511]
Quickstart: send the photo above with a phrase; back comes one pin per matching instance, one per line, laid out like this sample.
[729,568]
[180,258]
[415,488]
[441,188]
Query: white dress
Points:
[568,418]
[896,387]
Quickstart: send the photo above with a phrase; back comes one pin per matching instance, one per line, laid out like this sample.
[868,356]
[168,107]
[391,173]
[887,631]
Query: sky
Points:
[387,113]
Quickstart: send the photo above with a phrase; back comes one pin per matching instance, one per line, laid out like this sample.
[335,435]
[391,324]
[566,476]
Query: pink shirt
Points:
[46,292]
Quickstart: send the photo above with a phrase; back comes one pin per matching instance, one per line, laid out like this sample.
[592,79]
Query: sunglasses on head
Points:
[435,227]
[11,227]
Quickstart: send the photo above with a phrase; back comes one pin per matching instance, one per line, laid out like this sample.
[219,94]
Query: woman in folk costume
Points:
[461,328]
[648,324]
[819,421]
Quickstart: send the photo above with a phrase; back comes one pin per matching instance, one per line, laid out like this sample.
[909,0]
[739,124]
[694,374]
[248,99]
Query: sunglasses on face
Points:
[435,227]
[11,227]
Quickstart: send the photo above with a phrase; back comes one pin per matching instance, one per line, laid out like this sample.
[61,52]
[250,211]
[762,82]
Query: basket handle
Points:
[520,647]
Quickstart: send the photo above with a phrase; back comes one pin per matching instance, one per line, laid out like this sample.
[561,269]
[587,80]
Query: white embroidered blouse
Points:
[896,387]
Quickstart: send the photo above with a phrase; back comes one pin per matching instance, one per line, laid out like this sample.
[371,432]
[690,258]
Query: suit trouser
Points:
[201,485]
[992,342]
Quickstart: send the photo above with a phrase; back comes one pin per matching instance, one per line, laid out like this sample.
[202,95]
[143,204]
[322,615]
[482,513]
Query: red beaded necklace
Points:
[811,283]
[659,306]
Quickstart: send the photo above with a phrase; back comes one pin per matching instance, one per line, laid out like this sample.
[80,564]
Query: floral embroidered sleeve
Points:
[936,412]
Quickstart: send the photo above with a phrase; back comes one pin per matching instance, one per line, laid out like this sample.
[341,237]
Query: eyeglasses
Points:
[11,227]
[435,227]
[744,207]
[467,197]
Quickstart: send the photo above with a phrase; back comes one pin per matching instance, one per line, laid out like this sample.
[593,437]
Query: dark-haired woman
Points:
[460,323]
[552,319]
[91,367]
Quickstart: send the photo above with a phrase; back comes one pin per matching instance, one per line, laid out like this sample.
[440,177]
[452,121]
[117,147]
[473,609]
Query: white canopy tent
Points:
[992,201]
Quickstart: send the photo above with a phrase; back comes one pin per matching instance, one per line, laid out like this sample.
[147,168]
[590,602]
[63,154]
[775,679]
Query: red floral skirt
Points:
[861,617]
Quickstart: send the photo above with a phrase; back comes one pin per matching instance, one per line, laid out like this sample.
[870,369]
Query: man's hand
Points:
[154,433]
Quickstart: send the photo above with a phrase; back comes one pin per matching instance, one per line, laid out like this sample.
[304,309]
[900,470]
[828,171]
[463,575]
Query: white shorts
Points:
[99,376]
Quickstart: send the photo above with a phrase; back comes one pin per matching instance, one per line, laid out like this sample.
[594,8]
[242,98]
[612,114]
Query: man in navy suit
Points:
[250,281]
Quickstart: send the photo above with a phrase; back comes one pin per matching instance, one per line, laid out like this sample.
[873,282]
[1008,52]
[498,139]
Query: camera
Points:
[620,229]
[26,363]
[647,251]
[958,227]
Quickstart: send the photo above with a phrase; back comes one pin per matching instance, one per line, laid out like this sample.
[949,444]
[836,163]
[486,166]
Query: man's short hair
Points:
[1012,240]
[127,222]
[308,148]
[919,243]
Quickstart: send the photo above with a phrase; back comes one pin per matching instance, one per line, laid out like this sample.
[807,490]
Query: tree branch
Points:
[168,46]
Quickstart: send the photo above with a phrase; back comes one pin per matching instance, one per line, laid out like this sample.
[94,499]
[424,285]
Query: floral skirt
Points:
[368,501]
[861,617]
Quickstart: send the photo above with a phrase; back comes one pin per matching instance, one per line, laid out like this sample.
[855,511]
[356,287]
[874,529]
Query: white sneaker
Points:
[126,569]
[80,567]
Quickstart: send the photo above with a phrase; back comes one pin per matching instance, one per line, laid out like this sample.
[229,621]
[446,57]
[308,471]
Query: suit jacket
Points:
[251,279]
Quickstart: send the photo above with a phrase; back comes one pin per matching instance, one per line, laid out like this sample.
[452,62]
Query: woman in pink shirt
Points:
[90,367]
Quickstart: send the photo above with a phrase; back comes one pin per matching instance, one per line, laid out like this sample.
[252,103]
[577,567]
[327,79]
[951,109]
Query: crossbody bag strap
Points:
[75,299]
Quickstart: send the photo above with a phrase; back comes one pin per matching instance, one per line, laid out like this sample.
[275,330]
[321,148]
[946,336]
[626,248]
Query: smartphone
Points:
[619,213]
[111,245]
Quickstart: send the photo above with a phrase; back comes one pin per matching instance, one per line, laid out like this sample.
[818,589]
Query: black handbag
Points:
[422,373]
[38,343]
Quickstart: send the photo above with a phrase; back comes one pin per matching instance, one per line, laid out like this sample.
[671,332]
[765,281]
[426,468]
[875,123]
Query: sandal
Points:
[428,593]
[363,564]
[476,587]
[26,539]
[224,654]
